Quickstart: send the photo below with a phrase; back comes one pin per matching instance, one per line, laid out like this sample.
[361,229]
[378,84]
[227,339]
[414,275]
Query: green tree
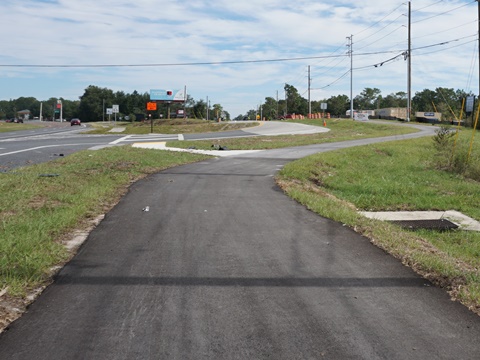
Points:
[367,100]
[338,105]
[217,111]
[269,109]
[199,110]
[424,100]
[398,99]
[92,102]
[295,102]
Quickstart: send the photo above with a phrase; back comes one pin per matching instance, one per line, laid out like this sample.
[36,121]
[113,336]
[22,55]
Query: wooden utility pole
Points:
[309,99]
[409,62]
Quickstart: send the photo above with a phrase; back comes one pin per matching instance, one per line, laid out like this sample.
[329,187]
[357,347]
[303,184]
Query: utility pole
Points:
[350,52]
[409,63]
[277,117]
[309,99]
[478,17]
[41,110]
[208,105]
[286,100]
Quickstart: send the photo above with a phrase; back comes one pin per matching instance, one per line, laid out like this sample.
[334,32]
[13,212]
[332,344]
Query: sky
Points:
[236,53]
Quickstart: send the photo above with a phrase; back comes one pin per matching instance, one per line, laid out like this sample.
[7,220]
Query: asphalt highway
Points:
[225,266]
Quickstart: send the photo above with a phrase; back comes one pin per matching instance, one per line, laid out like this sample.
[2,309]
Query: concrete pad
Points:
[220,153]
[464,222]
[117,130]
[273,128]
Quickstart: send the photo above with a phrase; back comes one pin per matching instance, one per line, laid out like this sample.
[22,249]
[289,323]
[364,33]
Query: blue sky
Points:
[151,34]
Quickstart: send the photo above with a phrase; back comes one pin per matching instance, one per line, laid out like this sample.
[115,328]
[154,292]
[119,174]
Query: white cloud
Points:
[70,32]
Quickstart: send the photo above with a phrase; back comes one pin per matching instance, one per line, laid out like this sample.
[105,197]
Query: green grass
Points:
[42,204]
[340,130]
[173,126]
[7,127]
[400,175]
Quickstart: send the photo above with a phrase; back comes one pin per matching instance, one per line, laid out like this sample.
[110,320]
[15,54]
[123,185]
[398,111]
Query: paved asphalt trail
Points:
[225,266]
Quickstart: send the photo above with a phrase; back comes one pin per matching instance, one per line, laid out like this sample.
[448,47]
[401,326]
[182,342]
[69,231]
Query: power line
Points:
[435,3]
[391,32]
[218,62]
[179,64]
[443,13]
[333,82]
[379,21]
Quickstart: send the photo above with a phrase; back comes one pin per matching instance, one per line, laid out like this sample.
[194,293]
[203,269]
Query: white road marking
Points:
[30,149]
[125,138]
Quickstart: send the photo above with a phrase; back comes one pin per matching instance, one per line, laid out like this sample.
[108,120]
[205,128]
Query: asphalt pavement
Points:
[225,266]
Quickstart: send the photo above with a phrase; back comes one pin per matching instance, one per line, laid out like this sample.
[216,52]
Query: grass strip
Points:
[340,130]
[173,126]
[7,127]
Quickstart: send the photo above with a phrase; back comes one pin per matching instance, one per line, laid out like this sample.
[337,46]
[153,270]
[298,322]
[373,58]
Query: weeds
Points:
[452,153]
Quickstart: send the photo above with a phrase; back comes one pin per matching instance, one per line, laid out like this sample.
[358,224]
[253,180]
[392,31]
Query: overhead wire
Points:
[379,21]
[425,7]
[443,13]
[472,65]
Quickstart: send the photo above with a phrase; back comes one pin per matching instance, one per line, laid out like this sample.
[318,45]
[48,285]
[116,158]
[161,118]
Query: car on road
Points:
[75,122]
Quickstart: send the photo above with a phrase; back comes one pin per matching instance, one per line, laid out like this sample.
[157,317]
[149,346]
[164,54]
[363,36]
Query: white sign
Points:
[323,106]
[360,116]
[115,109]
[109,111]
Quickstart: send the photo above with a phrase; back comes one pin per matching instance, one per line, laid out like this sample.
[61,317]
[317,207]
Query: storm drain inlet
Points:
[433,224]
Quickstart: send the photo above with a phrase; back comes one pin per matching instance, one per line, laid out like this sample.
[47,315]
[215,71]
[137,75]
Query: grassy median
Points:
[340,130]
[172,126]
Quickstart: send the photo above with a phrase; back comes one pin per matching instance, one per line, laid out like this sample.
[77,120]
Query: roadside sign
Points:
[151,106]
[469,104]
[115,109]
[109,111]
[323,106]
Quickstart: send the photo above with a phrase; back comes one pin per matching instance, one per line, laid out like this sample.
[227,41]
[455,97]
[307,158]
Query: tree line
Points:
[95,100]
[449,102]
[92,106]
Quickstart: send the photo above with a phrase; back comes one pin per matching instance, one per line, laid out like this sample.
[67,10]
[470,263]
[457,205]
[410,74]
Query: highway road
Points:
[53,140]
[225,266]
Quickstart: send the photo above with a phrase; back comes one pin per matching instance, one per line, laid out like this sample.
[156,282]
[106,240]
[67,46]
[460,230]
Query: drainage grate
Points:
[438,224]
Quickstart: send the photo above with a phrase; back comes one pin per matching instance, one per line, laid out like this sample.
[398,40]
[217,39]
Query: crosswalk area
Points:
[147,138]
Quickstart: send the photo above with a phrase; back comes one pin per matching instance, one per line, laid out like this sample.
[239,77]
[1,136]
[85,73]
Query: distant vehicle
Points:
[180,114]
[288,116]
[75,122]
